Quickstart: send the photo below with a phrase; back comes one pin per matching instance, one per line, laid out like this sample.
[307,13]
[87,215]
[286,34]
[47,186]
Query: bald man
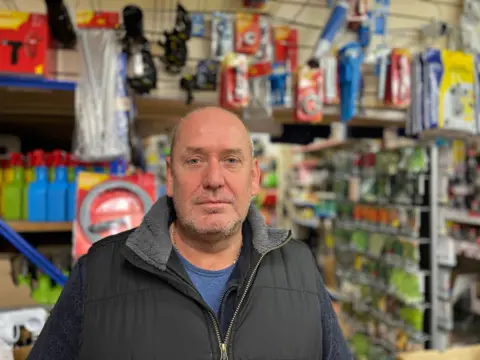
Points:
[202,277]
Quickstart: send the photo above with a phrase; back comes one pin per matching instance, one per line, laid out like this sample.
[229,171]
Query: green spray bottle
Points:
[12,191]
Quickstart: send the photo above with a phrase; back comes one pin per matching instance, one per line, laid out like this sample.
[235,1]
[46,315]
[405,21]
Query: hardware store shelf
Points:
[39,227]
[51,103]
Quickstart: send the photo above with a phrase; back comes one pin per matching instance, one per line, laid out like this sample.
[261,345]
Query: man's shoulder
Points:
[293,246]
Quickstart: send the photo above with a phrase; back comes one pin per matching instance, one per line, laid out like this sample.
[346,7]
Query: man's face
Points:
[212,175]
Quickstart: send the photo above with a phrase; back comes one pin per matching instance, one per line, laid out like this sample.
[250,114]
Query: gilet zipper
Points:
[223,344]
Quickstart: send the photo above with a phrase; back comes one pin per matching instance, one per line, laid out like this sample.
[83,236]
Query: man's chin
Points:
[216,226]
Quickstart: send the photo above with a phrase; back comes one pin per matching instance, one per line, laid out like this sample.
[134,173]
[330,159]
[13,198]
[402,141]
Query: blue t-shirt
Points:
[209,283]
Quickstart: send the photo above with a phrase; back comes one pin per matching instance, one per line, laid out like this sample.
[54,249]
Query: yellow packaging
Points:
[456,98]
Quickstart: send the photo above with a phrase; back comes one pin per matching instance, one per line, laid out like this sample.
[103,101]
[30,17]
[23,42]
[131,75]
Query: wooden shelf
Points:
[39,227]
[55,108]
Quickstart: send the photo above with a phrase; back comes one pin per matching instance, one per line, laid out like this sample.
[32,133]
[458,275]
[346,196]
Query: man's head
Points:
[211,174]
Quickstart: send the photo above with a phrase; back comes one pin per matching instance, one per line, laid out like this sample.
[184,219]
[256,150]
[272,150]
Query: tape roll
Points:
[84,213]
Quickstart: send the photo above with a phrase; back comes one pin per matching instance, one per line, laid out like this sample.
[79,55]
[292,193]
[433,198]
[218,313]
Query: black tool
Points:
[60,23]
[141,70]
[174,43]
[15,46]
[188,83]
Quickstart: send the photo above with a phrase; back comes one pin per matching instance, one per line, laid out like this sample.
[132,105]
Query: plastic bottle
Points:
[73,169]
[118,167]
[57,190]
[12,192]
[29,177]
[50,167]
[37,189]
[7,172]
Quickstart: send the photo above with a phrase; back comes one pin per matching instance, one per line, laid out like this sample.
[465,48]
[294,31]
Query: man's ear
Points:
[169,177]
[255,177]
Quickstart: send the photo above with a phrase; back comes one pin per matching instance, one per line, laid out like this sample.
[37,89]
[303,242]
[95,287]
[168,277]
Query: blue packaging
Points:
[432,78]
[198,24]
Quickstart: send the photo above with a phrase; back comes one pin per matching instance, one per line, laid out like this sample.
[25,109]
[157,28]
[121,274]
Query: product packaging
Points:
[234,87]
[247,33]
[101,125]
[281,86]
[25,44]
[329,65]
[108,205]
[398,81]
[255,4]
[309,95]
[222,35]
[357,14]
[206,75]
[261,62]
[449,91]
[285,42]
[97,19]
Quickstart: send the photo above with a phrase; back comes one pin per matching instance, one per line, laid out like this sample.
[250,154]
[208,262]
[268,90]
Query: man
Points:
[202,277]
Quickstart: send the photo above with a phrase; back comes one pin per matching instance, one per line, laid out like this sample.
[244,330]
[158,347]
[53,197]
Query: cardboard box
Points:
[461,353]
[25,44]
[12,296]
[21,353]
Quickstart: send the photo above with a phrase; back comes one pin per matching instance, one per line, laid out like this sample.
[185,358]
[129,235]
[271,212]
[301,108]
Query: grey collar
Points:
[151,240]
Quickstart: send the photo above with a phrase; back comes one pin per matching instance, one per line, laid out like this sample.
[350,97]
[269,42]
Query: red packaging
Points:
[357,14]
[247,33]
[397,89]
[97,20]
[309,95]
[234,89]
[107,205]
[261,64]
[255,4]
[24,44]
[285,42]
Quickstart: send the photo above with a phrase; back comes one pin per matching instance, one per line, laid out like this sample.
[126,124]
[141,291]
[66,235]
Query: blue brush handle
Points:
[32,254]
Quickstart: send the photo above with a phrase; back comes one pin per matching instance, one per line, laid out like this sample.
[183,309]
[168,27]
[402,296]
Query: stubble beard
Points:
[210,235]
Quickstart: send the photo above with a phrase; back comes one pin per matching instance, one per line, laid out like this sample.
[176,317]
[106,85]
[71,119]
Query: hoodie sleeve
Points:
[60,337]
[334,344]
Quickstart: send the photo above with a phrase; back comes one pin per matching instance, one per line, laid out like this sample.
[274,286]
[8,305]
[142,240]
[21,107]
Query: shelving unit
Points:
[42,103]
[34,227]
[359,245]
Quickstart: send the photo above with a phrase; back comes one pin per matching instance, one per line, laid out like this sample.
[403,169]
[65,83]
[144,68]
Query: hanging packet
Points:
[222,35]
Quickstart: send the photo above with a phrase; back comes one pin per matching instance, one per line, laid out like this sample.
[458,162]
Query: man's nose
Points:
[214,175]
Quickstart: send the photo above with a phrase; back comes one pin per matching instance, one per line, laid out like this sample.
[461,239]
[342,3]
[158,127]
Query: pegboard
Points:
[406,19]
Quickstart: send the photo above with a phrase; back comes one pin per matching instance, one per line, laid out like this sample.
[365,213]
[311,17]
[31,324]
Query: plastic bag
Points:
[101,105]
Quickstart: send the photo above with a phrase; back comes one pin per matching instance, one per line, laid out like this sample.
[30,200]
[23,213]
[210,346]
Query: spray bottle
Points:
[29,177]
[37,189]
[57,190]
[12,191]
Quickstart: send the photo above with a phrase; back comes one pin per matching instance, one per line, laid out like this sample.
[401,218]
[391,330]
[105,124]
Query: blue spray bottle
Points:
[37,189]
[57,190]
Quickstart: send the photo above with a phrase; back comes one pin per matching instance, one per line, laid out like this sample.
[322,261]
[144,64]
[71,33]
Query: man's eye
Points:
[193,161]
[232,161]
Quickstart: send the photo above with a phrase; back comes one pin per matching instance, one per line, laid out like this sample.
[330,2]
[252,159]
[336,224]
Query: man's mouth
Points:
[214,202]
